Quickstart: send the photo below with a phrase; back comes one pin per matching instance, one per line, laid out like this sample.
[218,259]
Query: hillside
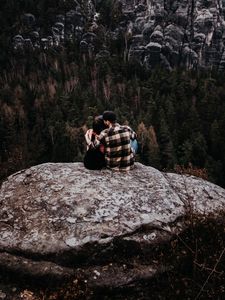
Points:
[158,64]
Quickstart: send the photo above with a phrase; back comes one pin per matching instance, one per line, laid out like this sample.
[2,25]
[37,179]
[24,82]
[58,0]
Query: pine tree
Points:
[185,153]
[148,145]
[167,153]
[199,150]
[215,140]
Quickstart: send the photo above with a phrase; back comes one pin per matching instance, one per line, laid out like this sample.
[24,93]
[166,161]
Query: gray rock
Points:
[28,44]
[78,32]
[175,32]
[18,39]
[60,18]
[45,43]
[154,47]
[157,37]
[129,15]
[70,15]
[136,41]
[159,15]
[18,42]
[201,28]
[165,63]
[140,8]
[35,36]
[147,31]
[139,24]
[222,62]
[204,21]
[50,41]
[137,54]
[42,269]
[59,26]
[56,216]
[84,46]
[190,58]
[182,15]
[172,43]
[28,20]
[55,31]
[199,40]
[89,37]
[75,18]
[103,54]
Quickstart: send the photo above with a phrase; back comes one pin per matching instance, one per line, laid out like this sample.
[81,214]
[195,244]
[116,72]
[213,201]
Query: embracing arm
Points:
[88,136]
[101,137]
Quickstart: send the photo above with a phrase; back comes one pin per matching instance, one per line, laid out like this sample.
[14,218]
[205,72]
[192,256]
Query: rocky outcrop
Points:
[61,220]
[168,33]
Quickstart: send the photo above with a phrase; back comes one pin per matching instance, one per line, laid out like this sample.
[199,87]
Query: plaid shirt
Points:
[118,153]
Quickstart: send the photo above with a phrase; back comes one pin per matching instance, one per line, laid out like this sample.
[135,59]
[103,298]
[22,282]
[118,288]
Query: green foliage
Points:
[183,114]
[47,99]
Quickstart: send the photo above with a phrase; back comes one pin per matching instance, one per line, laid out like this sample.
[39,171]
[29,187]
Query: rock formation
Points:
[60,220]
[168,33]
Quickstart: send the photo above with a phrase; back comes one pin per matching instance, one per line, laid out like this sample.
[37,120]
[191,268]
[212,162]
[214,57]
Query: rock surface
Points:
[60,220]
[187,33]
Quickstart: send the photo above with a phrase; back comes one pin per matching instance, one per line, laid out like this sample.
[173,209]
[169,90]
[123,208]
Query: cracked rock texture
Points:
[59,220]
[167,33]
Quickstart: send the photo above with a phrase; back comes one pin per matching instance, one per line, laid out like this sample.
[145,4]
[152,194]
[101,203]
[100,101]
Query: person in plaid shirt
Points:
[117,142]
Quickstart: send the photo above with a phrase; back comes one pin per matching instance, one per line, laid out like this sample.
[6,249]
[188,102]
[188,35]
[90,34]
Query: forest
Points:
[48,98]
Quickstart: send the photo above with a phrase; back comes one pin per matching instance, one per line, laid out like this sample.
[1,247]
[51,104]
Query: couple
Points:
[110,144]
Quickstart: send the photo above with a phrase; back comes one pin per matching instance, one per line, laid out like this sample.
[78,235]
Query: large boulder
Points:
[60,220]
[56,209]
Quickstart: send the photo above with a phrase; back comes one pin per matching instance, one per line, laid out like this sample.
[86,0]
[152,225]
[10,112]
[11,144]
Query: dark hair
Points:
[98,124]
[109,116]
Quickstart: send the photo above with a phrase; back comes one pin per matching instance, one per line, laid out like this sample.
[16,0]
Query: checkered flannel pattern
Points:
[118,153]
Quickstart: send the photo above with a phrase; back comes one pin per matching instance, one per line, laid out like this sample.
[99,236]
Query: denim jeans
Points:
[134,145]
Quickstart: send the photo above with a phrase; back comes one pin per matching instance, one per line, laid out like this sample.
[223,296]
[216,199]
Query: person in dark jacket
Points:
[94,158]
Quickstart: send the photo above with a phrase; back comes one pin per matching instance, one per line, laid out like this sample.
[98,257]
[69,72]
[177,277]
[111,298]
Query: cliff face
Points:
[62,221]
[153,32]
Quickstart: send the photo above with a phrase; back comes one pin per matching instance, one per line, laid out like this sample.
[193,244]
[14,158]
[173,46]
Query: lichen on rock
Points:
[60,219]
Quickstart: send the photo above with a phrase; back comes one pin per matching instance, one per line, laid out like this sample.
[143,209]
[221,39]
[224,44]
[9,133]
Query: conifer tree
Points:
[167,154]
[199,150]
